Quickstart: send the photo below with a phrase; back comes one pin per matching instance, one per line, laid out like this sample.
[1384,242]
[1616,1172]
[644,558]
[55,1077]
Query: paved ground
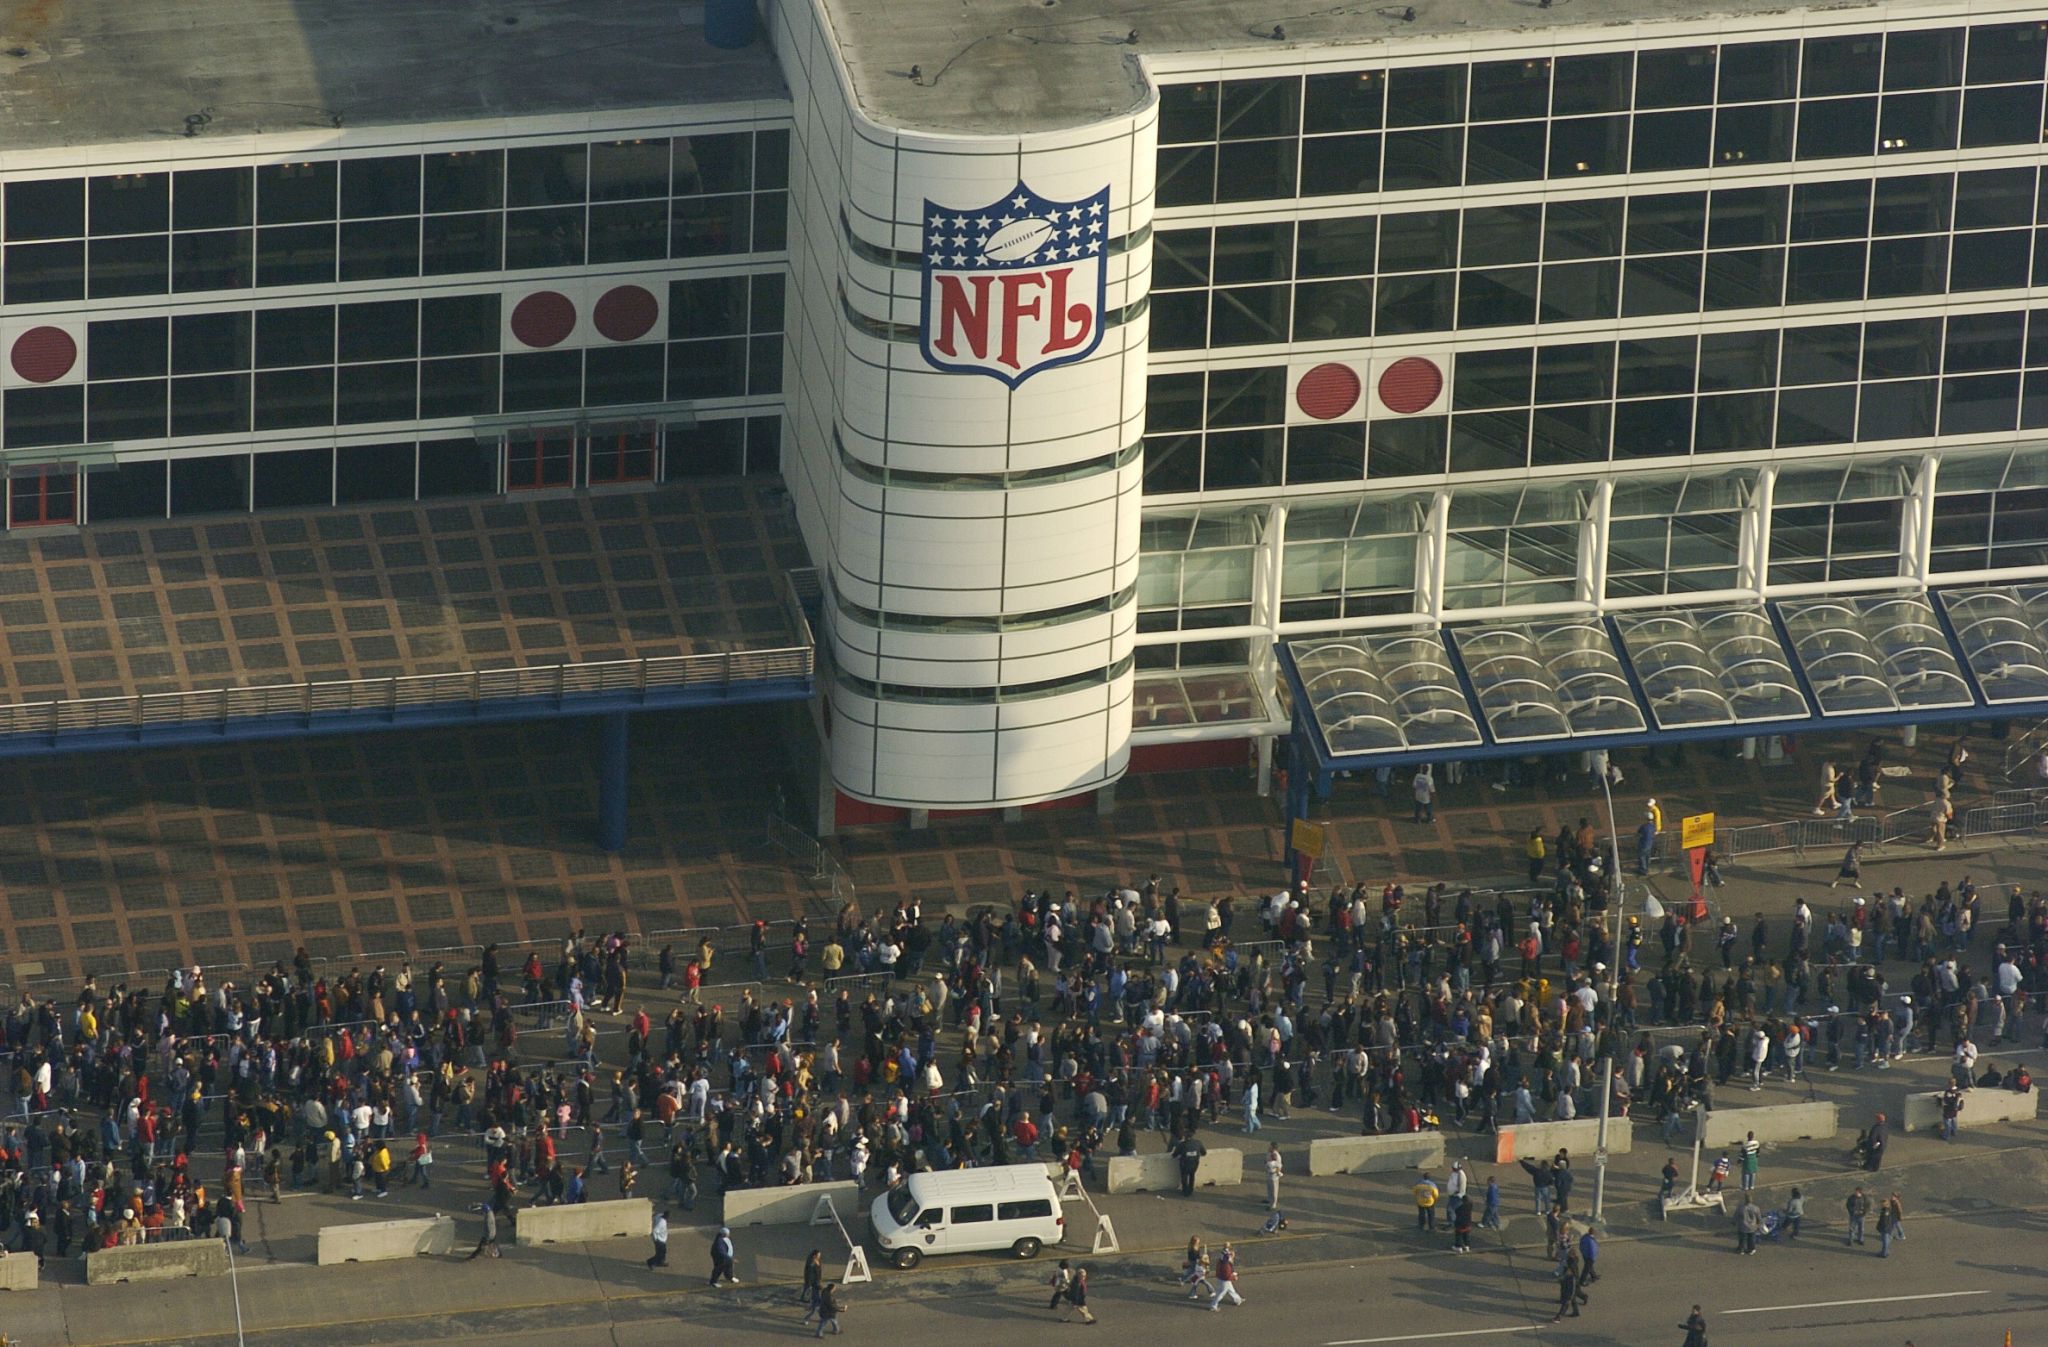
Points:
[120,861]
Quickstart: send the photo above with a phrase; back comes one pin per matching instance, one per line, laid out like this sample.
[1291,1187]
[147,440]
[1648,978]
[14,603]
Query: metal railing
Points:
[813,854]
[554,682]
[1800,835]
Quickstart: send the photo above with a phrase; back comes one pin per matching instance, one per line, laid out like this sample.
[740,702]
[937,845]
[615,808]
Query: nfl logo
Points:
[1015,286]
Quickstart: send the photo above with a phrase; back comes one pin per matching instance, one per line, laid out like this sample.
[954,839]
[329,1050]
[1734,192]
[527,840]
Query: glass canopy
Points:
[1868,653]
[1384,692]
[2003,633]
[1711,666]
[1548,680]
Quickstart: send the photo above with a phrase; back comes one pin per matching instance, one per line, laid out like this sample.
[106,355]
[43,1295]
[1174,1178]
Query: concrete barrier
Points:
[1160,1173]
[1540,1141]
[1372,1155]
[160,1261]
[383,1241]
[1774,1122]
[18,1272]
[790,1206]
[584,1221]
[1981,1108]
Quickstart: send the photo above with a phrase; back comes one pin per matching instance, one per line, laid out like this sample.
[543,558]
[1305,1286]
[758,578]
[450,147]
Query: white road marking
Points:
[1425,1337]
[1836,1304]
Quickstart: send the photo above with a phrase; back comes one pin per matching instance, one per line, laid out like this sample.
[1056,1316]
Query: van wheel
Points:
[908,1258]
[1026,1248]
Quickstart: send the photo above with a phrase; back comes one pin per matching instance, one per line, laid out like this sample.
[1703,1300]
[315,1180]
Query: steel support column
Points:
[611,782]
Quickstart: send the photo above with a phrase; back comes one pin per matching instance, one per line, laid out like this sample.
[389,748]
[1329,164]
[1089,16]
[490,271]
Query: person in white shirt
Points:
[1274,1220]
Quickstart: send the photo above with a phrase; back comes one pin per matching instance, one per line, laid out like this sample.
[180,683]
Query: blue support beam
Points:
[611,781]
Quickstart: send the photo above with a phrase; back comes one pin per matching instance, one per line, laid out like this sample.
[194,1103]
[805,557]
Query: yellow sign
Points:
[1697,831]
[1307,838]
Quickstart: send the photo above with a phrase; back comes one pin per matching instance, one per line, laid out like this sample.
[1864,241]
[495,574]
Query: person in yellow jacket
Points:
[1537,852]
[1655,813]
[380,1168]
[1426,1195]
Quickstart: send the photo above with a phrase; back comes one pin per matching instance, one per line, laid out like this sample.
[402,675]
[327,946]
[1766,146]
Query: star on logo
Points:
[959,222]
[1094,245]
[1095,208]
[959,260]
[982,223]
[1095,226]
[938,222]
[1020,201]
[1073,250]
[959,240]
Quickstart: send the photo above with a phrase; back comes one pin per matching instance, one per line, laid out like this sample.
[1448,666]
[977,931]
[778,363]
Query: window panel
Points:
[1187,112]
[212,198]
[128,491]
[1410,446]
[298,336]
[1821,355]
[704,369]
[1580,291]
[1660,365]
[1422,159]
[1668,284]
[216,484]
[40,416]
[546,175]
[1419,241]
[1180,257]
[45,273]
[617,375]
[1492,379]
[1500,235]
[1576,230]
[464,180]
[1416,303]
[1575,373]
[1256,170]
[1330,310]
[42,497]
[1903,409]
[1826,272]
[1980,404]
[1173,464]
[1571,434]
[130,203]
[1241,459]
[551,238]
[1753,72]
[1749,279]
[1340,165]
[1346,101]
[1653,428]
[1668,141]
[1249,315]
[711,226]
[1995,198]
[1930,58]
[1329,453]
[1837,127]
[1816,416]
[1505,91]
[462,386]
[451,468]
[1901,349]
[211,404]
[1731,360]
[204,342]
[386,391]
[47,208]
[1497,298]
[1916,123]
[1255,109]
[295,255]
[1425,95]
[1841,65]
[293,479]
[1995,261]
[1490,441]
[295,193]
[1588,146]
[634,231]
[367,473]
[1672,222]
[379,330]
[388,185]
[1180,320]
[1262,252]
[1757,134]
[1984,341]
[459,324]
[1917,266]
[1733,422]
[1920,204]
[127,348]
[629,170]
[2002,53]
[2003,115]
[1830,210]
[457,243]
[1247,397]
[376,250]
[294,397]
[1507,152]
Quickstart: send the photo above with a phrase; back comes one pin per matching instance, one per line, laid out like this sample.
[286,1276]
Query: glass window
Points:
[1760,133]
[1836,128]
[382,186]
[703,369]
[1411,446]
[1910,266]
[1180,320]
[1661,365]
[127,348]
[1994,261]
[713,164]
[1668,141]
[1830,210]
[42,496]
[1819,355]
[546,175]
[220,259]
[1580,291]
[1816,416]
[1330,310]
[294,193]
[1187,112]
[458,324]
[138,265]
[616,375]
[300,336]
[1913,205]
[379,330]
[386,391]
[1173,402]
[2001,115]
[1499,297]
[1980,404]
[376,250]
[1416,303]
[1902,348]
[1256,170]
[462,386]
[543,380]
[629,170]
[1664,284]
[39,416]
[461,467]
[1180,257]
[1930,58]
[130,203]
[1733,422]
[764,307]
[1346,101]
[1672,222]
[1425,95]
[1731,360]
[1490,441]
[544,238]
[1498,235]
[1247,397]
[1422,159]
[634,231]
[1746,216]
[456,243]
[1255,109]
[1597,83]
[1507,152]
[707,449]
[1826,272]
[1262,252]
[711,226]
[464,180]
[45,273]
[204,342]
[128,491]
[295,255]
[210,404]
[1341,165]
[216,484]
[290,479]
[1754,72]
[1419,241]
[1653,428]
[1575,373]
[2003,53]
[212,198]
[1492,379]
[1984,341]
[1588,146]
[1510,90]
[1582,229]
[48,208]
[1841,65]
[367,473]
[1901,409]
[1676,77]
[286,398]
[1911,123]
[1994,198]
[1750,278]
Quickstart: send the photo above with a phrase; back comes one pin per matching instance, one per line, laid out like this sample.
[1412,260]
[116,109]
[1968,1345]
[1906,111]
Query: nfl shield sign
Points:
[1015,286]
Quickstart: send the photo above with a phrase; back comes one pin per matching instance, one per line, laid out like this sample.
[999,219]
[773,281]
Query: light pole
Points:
[1606,1067]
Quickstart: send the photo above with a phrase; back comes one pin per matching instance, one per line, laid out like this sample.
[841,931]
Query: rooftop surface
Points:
[1015,66]
[93,72]
[392,591]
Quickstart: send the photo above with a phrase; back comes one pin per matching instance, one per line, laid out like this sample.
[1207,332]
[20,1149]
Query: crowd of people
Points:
[1062,1027]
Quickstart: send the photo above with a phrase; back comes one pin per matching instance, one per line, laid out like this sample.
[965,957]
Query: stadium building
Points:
[1125,385]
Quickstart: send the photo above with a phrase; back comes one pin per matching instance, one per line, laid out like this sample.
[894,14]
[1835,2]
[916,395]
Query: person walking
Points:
[659,1233]
[1887,1230]
[1489,1219]
[828,1310]
[1852,867]
[1251,1104]
[489,1242]
[1424,786]
[1426,1194]
[1274,1169]
[1752,1150]
[1898,1211]
[722,1258]
[1196,1275]
[1873,1153]
[814,1284]
[1062,1282]
[1795,1214]
[1857,1206]
[1570,1265]
[1695,1327]
[1589,1255]
[1077,1295]
[1461,1225]
[1226,1280]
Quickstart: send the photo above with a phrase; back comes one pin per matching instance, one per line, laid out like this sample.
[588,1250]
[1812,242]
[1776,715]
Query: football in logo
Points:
[1019,240]
[1016,285]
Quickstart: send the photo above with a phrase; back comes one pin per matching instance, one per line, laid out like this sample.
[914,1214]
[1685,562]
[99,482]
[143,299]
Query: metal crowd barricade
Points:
[1997,819]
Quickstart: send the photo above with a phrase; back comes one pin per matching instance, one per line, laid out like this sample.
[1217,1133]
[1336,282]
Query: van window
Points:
[970,1215]
[902,1206]
[930,1217]
[1023,1211]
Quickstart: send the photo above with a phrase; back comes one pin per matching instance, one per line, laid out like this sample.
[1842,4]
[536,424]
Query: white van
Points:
[1010,1207]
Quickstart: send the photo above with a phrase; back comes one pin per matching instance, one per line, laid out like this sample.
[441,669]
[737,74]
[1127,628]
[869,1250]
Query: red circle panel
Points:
[544,318]
[1328,391]
[625,313]
[43,355]
[1410,384]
